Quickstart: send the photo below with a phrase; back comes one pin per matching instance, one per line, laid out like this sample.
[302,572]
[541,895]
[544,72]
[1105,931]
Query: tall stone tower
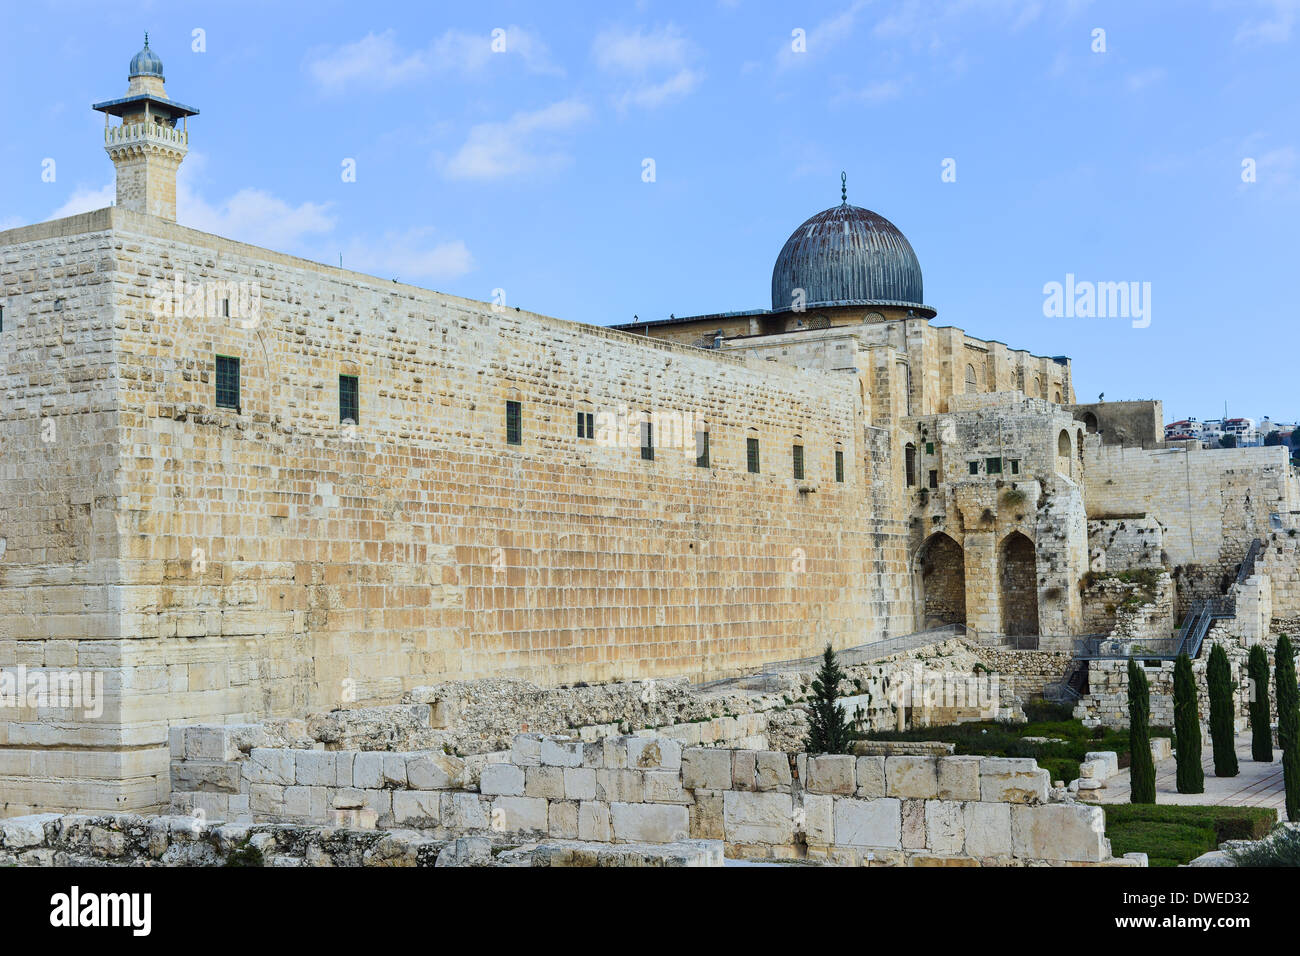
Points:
[147,148]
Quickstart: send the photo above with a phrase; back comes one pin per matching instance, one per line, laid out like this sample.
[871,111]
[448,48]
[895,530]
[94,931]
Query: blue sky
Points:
[523,170]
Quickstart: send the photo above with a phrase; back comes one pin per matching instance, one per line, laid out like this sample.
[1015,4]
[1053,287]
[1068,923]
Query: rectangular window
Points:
[798,462]
[349,399]
[702,449]
[1015,466]
[2,318]
[934,479]
[586,424]
[839,465]
[751,455]
[647,441]
[514,424]
[974,467]
[227,382]
[225,308]
[929,448]
[993,466]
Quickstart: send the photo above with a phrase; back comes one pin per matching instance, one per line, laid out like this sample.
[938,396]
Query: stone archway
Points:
[1018,584]
[941,565]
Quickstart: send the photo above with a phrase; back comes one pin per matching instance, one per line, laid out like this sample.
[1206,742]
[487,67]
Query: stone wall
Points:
[1123,544]
[896,810]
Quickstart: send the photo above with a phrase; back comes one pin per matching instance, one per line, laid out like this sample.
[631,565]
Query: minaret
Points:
[148,147]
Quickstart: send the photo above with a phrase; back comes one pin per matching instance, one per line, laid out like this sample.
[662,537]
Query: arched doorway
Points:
[941,563]
[1018,584]
[1090,422]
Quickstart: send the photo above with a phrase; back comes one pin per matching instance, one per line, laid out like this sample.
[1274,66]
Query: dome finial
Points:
[844,187]
[146,39]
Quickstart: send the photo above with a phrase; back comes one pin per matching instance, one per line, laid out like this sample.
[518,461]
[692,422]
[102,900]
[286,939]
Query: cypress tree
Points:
[1261,731]
[828,730]
[1288,724]
[1187,725]
[1218,678]
[1142,768]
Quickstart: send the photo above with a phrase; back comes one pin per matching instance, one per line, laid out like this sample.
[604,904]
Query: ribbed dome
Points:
[146,62]
[847,255]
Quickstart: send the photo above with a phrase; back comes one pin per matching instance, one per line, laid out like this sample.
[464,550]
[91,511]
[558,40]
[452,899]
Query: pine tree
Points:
[1142,768]
[1288,724]
[1218,678]
[828,730]
[1187,725]
[1261,731]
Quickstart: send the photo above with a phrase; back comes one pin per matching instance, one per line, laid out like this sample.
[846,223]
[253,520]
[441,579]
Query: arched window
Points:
[1063,444]
[972,383]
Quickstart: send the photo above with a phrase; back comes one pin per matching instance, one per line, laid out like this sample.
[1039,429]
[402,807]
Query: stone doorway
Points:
[941,565]
[1018,584]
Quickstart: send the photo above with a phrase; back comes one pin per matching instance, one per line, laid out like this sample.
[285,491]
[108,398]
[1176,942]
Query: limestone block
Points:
[266,799]
[269,766]
[818,818]
[526,750]
[394,771]
[869,823]
[705,768]
[594,823]
[945,826]
[959,778]
[368,770]
[501,779]
[560,753]
[832,773]
[870,777]
[620,786]
[562,819]
[665,786]
[546,782]
[743,769]
[1013,780]
[344,761]
[1162,748]
[434,770]
[988,829]
[751,817]
[346,798]
[653,753]
[913,837]
[19,832]
[912,777]
[211,776]
[1108,758]
[579,783]
[771,770]
[1071,832]
[520,814]
[707,822]
[307,803]
[417,808]
[314,768]
[649,822]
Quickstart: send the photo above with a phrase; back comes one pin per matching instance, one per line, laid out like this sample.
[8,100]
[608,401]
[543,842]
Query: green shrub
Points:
[1288,724]
[1261,732]
[1187,725]
[1218,677]
[1142,772]
[1282,848]
[245,854]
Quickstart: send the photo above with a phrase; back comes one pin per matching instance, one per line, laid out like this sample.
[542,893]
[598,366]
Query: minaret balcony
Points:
[154,134]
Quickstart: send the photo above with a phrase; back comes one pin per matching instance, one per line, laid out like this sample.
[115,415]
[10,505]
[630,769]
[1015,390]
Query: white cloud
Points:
[826,35]
[517,146]
[1274,29]
[409,254]
[85,199]
[1140,80]
[255,216]
[657,63]
[377,61]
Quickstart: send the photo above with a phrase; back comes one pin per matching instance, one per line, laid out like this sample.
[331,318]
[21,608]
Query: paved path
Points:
[1257,784]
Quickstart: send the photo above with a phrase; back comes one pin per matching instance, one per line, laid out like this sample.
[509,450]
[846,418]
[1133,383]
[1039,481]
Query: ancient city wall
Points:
[896,810]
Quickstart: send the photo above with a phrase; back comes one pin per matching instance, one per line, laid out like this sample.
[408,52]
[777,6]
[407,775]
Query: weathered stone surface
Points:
[501,779]
[649,823]
[653,753]
[1059,831]
[562,819]
[270,766]
[818,818]
[465,811]
[417,808]
[1013,780]
[868,823]
[771,770]
[664,786]
[988,829]
[594,822]
[434,771]
[750,817]
[546,782]
[579,783]
[314,768]
[945,826]
[516,814]
[870,777]
[620,786]
[832,773]
[706,769]
[744,772]
[913,833]
[707,821]
[959,778]
[560,753]
[912,777]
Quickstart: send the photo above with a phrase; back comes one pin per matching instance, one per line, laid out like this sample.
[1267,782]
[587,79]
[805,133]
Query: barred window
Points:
[702,448]
[227,382]
[751,455]
[647,440]
[839,465]
[514,424]
[349,399]
[798,462]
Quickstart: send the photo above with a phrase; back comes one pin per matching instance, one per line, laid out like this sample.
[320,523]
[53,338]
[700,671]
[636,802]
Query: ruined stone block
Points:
[869,823]
[912,777]
[832,774]
[705,768]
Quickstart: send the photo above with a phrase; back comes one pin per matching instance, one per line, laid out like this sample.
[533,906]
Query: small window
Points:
[934,478]
[702,448]
[349,399]
[647,440]
[227,382]
[586,424]
[1015,465]
[929,448]
[751,455]
[993,466]
[225,308]
[798,462]
[514,424]
[2,318]
[974,467]
[839,465]
[909,456]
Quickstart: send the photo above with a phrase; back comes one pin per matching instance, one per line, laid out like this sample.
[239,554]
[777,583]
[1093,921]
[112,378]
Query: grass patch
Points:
[1173,835]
